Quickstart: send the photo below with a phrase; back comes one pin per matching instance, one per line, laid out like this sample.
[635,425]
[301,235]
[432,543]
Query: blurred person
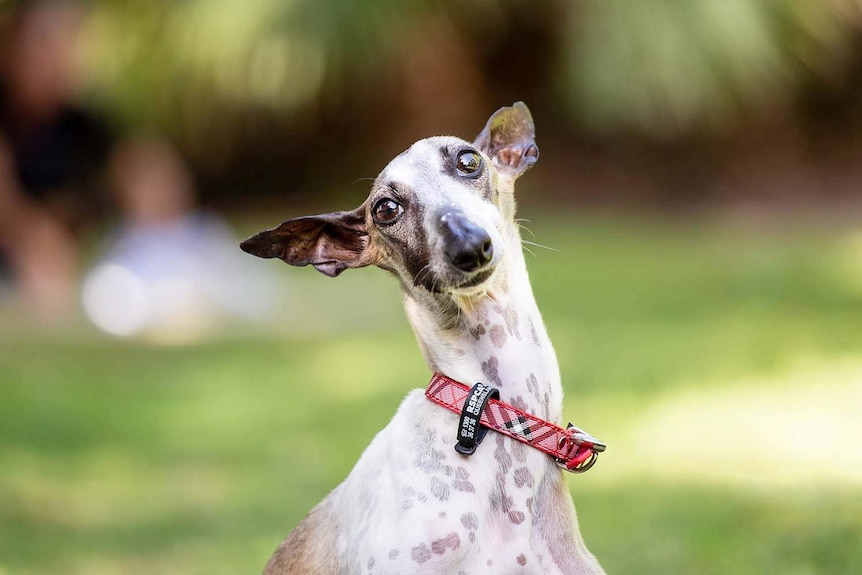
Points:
[39,256]
[50,151]
[171,271]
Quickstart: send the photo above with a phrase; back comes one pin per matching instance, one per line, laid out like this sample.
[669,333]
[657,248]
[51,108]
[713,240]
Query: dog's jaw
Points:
[494,334]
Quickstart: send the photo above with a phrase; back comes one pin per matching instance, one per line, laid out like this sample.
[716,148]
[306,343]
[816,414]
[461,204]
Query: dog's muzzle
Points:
[466,245]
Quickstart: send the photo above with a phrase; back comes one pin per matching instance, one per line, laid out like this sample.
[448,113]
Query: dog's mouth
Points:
[455,282]
[478,279]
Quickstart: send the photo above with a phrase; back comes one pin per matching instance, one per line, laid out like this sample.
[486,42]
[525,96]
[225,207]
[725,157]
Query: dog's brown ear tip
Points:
[259,245]
[248,246]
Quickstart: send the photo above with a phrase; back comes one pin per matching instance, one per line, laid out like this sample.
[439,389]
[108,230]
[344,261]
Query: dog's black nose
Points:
[467,245]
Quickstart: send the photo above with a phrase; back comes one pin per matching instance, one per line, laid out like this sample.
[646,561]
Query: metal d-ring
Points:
[587,465]
[582,439]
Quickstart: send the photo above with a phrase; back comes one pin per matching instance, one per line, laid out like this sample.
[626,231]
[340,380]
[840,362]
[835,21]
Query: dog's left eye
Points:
[469,163]
[386,211]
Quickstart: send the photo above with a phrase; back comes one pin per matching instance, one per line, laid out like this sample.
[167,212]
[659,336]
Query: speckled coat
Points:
[412,504]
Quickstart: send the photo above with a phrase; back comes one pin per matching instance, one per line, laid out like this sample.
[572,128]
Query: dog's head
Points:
[438,216]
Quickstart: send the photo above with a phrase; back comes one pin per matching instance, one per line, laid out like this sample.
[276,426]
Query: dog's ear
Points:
[330,242]
[509,139]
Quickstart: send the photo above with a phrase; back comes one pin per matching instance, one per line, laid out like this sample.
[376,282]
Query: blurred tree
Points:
[179,65]
[669,67]
[657,65]
[345,73]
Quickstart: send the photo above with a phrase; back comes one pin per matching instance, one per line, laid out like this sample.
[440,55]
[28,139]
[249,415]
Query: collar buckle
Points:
[583,450]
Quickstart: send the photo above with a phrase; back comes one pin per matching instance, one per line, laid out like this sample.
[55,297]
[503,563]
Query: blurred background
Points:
[170,405]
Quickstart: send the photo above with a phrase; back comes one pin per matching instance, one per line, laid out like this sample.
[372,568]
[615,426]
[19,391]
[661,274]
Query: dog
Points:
[441,218]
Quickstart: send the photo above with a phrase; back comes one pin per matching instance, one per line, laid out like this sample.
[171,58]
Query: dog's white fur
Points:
[412,505]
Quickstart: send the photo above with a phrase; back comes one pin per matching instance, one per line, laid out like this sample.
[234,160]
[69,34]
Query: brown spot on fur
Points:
[519,451]
[420,553]
[442,515]
[516,517]
[371,562]
[477,331]
[428,459]
[521,559]
[470,521]
[535,334]
[506,503]
[520,403]
[451,541]
[499,500]
[533,386]
[510,316]
[522,477]
[491,370]
[439,489]
[472,537]
[498,335]
[501,455]
[462,482]
[407,494]
[393,554]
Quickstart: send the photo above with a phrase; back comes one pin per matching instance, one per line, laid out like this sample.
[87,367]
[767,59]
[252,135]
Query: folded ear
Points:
[509,139]
[330,242]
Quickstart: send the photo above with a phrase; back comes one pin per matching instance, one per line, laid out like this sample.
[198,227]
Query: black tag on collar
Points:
[470,431]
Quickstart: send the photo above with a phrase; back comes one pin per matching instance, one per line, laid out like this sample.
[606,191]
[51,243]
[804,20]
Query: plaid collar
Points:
[572,449]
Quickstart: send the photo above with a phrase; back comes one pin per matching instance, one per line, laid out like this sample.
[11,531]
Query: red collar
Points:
[572,449]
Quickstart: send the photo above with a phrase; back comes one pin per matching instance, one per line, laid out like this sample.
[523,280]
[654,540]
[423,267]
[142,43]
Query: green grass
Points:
[679,342]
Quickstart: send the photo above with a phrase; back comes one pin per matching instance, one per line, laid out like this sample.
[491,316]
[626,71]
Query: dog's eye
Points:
[469,163]
[386,211]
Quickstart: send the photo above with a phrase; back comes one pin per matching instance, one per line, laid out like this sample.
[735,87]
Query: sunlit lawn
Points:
[722,363]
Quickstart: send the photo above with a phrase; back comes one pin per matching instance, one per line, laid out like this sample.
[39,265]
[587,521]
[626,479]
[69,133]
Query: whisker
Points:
[417,280]
[434,284]
[361,179]
[420,277]
[539,245]
[526,229]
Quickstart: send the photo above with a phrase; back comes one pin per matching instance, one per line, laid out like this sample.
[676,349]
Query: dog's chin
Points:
[457,283]
[465,285]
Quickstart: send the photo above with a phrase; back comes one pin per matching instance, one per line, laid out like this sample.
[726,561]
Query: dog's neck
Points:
[496,337]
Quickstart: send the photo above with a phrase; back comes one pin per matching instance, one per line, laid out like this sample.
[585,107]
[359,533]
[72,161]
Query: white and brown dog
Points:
[440,217]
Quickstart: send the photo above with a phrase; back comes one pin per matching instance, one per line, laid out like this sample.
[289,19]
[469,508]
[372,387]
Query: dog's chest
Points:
[417,506]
